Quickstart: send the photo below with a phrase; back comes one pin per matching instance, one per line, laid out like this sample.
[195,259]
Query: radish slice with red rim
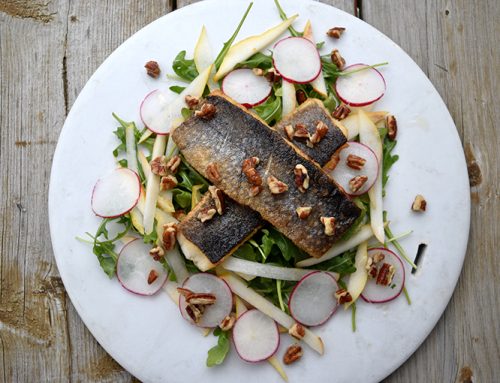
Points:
[360,88]
[208,283]
[153,110]
[135,267]
[245,87]
[297,60]
[343,173]
[256,336]
[378,293]
[312,301]
[116,193]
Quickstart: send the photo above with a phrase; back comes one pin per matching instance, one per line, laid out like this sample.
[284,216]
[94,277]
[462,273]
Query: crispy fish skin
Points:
[209,243]
[233,135]
[309,113]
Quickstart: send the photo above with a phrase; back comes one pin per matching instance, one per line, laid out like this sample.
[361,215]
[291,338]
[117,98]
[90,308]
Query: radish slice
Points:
[360,88]
[374,293]
[255,336]
[245,87]
[134,267]
[208,283]
[343,173]
[297,60]
[154,104]
[116,193]
[312,300]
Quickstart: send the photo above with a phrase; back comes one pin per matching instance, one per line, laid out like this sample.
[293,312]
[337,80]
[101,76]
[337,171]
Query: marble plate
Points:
[146,335]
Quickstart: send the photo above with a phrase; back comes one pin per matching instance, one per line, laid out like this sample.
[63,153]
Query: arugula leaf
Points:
[330,70]
[246,251]
[320,45]
[217,354]
[286,247]
[177,89]
[258,60]
[283,16]
[186,113]
[270,110]
[342,264]
[184,68]
[388,159]
[228,43]
[182,199]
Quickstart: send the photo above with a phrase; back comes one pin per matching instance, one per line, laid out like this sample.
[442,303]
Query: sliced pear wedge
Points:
[318,84]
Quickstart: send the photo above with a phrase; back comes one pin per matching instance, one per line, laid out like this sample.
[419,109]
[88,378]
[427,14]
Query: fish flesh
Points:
[208,243]
[231,136]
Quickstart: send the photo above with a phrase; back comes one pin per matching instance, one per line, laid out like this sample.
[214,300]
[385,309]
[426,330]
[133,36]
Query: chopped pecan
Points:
[392,127]
[227,323]
[372,272]
[157,253]
[168,182]
[206,214]
[329,223]
[385,274]
[292,354]
[255,190]
[251,162]
[304,211]
[195,312]
[272,75]
[355,162]
[289,130]
[204,299]
[159,166]
[191,101]
[301,132]
[319,133]
[357,182]
[258,71]
[343,296]
[301,178]
[173,164]
[335,32]
[276,186]
[248,168]
[377,257]
[218,198]
[297,331]
[301,96]
[212,172]
[169,235]
[184,292]
[341,112]
[337,59]
[419,204]
[207,111]
[152,69]
[153,276]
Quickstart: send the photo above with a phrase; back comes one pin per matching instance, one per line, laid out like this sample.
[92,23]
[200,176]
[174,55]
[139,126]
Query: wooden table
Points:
[48,52]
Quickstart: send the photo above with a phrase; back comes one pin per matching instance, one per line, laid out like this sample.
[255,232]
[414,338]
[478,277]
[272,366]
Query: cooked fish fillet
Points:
[233,135]
[309,114]
[208,243]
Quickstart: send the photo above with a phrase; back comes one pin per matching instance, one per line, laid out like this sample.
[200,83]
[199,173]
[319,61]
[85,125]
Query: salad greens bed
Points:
[268,245]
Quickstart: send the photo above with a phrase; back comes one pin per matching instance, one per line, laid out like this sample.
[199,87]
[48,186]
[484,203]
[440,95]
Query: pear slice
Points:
[318,83]
[203,58]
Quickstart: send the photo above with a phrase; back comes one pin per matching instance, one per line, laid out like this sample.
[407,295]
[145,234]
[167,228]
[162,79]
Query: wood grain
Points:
[48,50]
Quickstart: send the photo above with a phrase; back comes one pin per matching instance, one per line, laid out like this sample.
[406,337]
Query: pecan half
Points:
[329,223]
[372,272]
[206,214]
[212,172]
[169,235]
[341,112]
[289,130]
[153,276]
[335,32]
[337,59]
[195,312]
[159,166]
[292,354]
[319,133]
[355,162]
[184,292]
[206,112]
[357,182]
[168,182]
[227,323]
[377,257]
[297,331]
[272,75]
[419,204]
[152,69]
[301,132]
[276,186]
[301,178]
[191,101]
[343,296]
[385,274]
[204,299]
[392,127]
[248,168]
[218,198]
[301,96]
[173,164]
[304,211]
[157,253]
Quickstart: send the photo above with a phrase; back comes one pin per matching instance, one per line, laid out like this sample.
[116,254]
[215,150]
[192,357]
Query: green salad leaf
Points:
[270,110]
[177,89]
[258,60]
[184,68]
[217,354]
[283,16]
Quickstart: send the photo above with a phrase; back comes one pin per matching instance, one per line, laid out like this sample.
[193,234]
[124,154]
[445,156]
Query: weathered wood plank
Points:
[33,317]
[456,47]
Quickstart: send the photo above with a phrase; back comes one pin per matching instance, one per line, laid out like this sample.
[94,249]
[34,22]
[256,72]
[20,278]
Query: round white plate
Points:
[146,335]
